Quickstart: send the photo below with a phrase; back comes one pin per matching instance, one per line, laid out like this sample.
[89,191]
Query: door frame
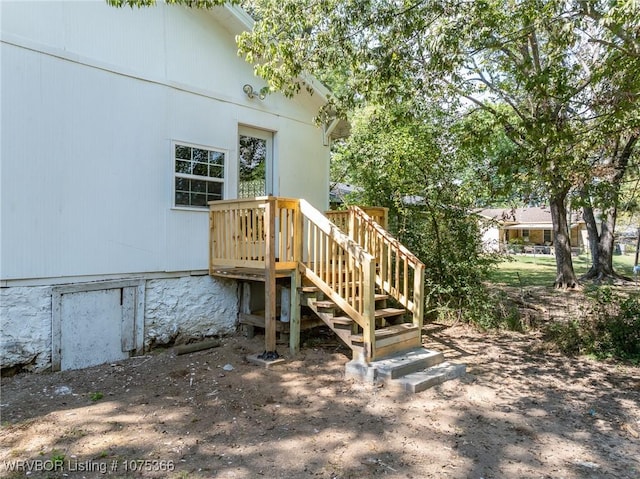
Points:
[271,185]
[56,314]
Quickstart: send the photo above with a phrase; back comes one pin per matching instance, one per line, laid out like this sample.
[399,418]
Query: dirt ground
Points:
[520,412]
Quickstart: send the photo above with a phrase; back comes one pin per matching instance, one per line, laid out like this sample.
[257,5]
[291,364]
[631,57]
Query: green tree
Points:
[615,31]
[205,4]
[605,190]
[552,74]
[542,69]
[407,164]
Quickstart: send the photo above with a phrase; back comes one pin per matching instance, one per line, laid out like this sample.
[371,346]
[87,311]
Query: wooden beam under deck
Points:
[250,274]
[257,320]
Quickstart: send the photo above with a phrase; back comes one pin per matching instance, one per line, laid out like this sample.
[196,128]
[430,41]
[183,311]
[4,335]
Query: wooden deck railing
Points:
[239,231]
[399,272]
[289,234]
[341,217]
[342,269]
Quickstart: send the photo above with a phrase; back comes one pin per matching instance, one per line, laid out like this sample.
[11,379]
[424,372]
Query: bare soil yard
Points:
[520,412]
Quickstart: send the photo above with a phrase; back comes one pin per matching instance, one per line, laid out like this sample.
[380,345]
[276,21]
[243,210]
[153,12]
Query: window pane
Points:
[216,171]
[183,167]
[200,169]
[216,158]
[201,156]
[198,199]
[253,166]
[253,158]
[214,188]
[183,152]
[252,188]
[182,199]
[199,186]
[182,184]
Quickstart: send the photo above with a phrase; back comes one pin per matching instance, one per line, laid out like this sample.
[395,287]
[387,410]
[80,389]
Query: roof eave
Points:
[244,22]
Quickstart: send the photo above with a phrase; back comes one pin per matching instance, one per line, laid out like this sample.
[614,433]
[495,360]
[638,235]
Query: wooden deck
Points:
[351,261]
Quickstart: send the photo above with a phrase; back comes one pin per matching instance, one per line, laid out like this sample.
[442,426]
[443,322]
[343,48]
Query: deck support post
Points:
[270,279]
[369,309]
[294,323]
[418,297]
[296,282]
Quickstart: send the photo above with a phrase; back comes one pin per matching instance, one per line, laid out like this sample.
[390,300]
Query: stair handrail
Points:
[379,242]
[379,214]
[342,269]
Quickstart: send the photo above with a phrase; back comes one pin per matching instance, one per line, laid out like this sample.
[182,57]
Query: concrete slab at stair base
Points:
[399,365]
[412,371]
[421,380]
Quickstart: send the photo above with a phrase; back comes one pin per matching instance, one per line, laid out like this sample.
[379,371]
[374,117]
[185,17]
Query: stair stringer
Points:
[383,345]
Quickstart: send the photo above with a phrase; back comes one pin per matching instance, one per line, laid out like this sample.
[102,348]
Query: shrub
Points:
[610,330]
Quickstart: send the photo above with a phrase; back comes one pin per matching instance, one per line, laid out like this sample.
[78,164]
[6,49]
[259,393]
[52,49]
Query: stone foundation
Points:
[176,309]
[25,327]
[179,309]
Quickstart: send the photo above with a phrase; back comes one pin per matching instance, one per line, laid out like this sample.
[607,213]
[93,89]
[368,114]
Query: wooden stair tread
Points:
[386,312]
[342,320]
[388,332]
[323,303]
[377,297]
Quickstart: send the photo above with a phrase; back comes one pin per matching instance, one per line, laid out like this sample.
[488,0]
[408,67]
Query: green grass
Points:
[540,270]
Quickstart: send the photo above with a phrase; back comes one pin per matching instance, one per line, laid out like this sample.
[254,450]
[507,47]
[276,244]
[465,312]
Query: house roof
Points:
[338,191]
[534,217]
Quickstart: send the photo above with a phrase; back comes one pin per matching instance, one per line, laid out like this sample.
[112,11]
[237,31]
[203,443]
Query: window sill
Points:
[188,208]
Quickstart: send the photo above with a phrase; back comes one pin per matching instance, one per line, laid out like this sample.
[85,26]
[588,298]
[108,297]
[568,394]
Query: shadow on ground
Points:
[518,413]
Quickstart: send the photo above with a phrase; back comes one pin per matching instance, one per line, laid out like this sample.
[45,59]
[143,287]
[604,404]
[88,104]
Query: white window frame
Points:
[175,174]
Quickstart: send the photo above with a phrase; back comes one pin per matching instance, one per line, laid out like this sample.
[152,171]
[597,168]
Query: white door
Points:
[255,159]
[95,325]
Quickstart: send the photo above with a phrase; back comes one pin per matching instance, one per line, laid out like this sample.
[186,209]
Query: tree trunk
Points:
[635,262]
[601,244]
[607,239]
[565,275]
[592,230]
[602,252]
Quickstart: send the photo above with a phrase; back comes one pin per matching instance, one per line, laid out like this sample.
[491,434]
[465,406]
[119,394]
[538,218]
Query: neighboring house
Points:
[528,230]
[338,192]
[118,126]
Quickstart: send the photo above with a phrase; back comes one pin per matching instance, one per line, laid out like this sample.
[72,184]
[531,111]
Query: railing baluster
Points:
[402,281]
[405,291]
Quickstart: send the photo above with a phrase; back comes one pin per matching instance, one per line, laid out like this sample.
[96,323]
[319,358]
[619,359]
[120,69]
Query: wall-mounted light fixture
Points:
[251,93]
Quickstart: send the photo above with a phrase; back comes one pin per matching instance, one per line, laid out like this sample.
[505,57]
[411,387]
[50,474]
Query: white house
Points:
[118,125]
[528,230]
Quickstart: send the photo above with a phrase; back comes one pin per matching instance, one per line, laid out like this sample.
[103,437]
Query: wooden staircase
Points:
[362,283]
[392,334]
